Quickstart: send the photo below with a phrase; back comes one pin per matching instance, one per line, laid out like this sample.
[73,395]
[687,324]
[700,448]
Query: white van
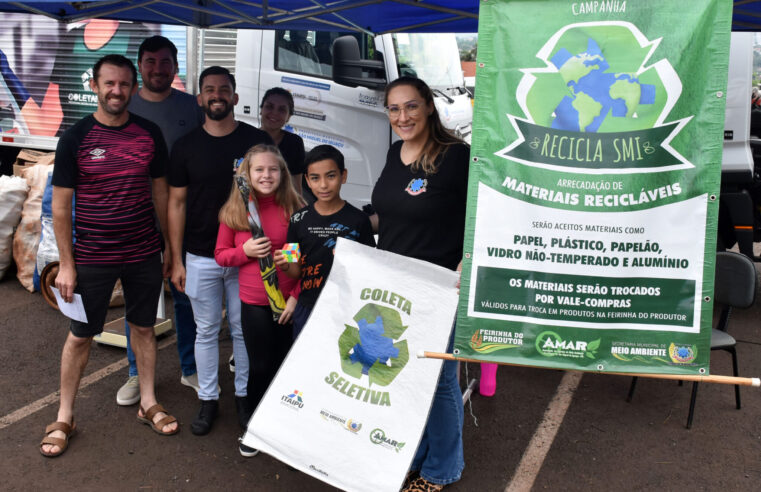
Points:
[350,118]
[740,198]
[44,89]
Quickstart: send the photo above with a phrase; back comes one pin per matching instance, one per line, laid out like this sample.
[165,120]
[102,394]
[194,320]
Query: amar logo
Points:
[599,101]
[550,344]
[378,436]
[682,354]
[369,348]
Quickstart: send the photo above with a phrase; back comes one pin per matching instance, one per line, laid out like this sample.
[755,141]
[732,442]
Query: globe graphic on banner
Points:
[594,93]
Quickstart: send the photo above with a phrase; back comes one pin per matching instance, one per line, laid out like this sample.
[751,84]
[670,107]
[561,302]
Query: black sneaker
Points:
[205,418]
[244,410]
[246,451]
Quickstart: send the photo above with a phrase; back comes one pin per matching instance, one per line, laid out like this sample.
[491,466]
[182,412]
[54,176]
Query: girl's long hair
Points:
[234,212]
[439,138]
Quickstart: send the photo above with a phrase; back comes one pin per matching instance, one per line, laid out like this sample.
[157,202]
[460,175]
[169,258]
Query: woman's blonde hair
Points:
[234,212]
[439,138]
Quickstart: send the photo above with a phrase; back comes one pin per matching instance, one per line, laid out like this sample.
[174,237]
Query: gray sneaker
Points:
[129,394]
[192,381]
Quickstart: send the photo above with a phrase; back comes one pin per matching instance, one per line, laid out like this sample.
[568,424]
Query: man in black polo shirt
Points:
[115,163]
[200,178]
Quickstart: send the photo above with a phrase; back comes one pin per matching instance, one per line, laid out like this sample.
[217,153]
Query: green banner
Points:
[594,183]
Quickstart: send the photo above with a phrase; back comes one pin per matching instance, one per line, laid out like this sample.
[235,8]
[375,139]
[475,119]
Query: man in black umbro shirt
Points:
[115,163]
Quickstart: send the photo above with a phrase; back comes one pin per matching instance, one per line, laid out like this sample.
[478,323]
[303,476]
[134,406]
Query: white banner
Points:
[350,402]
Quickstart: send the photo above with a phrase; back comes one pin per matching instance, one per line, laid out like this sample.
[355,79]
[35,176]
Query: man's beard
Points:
[219,114]
[166,84]
[116,112]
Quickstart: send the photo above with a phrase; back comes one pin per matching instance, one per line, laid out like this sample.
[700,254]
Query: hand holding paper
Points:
[74,309]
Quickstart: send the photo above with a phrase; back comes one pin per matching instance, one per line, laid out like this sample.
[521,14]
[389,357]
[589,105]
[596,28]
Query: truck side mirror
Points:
[350,70]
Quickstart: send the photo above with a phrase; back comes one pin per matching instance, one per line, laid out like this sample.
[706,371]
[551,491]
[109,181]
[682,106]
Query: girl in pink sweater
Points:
[267,341]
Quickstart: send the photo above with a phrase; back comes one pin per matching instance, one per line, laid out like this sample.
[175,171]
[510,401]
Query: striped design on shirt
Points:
[114,215]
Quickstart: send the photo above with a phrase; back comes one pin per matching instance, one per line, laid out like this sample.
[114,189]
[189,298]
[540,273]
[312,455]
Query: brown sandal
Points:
[157,426]
[67,429]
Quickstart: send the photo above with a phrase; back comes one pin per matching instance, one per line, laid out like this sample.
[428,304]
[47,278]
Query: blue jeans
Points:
[207,284]
[439,457]
[184,325]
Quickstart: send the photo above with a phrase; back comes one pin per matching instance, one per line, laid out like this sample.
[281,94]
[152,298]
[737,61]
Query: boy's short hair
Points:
[154,44]
[323,152]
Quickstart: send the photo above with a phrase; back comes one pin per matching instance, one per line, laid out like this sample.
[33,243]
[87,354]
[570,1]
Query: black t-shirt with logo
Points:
[316,235]
[205,165]
[423,216]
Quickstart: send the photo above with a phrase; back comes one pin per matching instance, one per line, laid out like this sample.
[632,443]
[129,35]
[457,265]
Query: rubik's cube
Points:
[291,252]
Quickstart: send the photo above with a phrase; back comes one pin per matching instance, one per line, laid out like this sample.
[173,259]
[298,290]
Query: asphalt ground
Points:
[523,438]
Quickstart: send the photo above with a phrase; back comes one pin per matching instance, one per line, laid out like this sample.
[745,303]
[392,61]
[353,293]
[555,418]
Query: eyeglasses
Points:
[411,108]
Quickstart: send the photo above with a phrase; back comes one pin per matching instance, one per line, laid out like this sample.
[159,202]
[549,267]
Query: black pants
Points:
[267,344]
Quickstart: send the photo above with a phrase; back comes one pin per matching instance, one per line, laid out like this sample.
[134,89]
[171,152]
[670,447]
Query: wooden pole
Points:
[678,377]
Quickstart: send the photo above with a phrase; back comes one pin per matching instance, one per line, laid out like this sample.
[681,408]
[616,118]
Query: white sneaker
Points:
[129,394]
[192,381]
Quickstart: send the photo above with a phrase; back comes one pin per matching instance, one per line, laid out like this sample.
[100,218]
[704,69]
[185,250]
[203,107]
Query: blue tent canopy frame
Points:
[370,16]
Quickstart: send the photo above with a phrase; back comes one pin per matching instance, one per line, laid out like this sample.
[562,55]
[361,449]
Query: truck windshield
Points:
[434,58]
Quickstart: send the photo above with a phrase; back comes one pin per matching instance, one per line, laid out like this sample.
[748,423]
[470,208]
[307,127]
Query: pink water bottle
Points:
[488,384]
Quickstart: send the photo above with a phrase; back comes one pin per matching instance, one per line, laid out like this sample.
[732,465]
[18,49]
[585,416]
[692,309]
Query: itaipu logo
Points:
[599,105]
[682,354]
[293,400]
[369,349]
[550,344]
[378,436]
